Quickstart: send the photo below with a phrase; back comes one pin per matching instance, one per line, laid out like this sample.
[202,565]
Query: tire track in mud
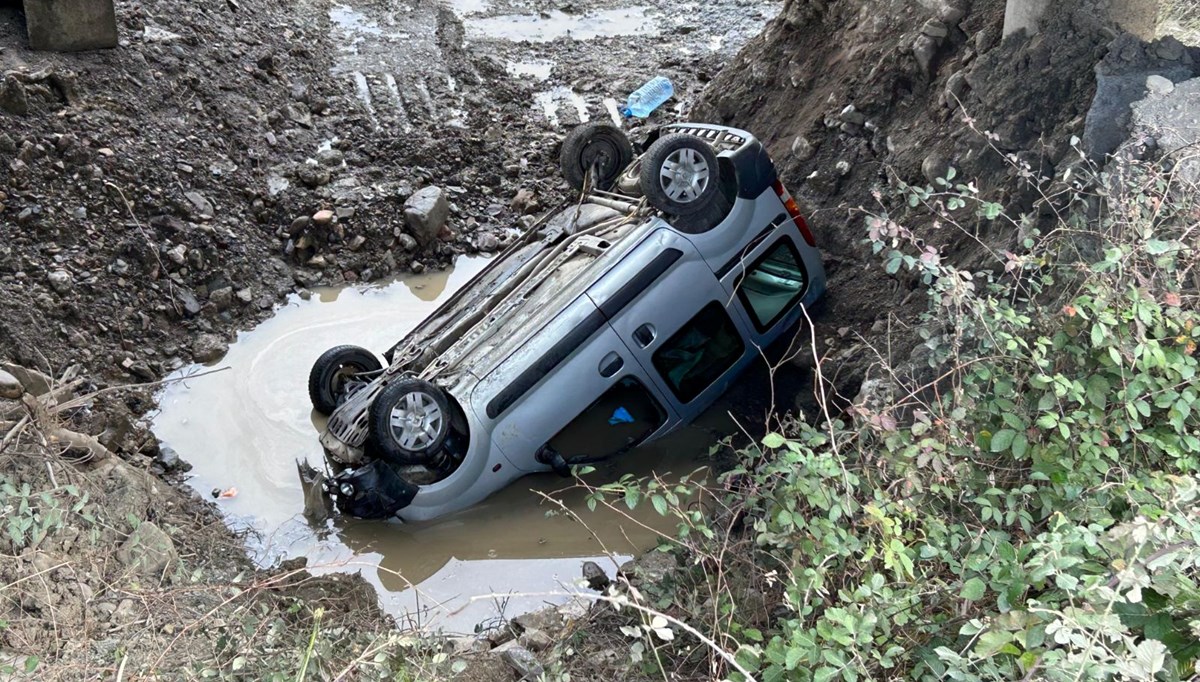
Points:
[399,60]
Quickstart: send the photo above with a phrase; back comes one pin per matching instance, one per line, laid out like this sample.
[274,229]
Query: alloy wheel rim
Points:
[416,421]
[684,175]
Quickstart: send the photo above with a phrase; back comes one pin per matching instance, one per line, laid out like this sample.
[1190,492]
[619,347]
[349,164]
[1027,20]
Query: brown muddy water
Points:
[245,427]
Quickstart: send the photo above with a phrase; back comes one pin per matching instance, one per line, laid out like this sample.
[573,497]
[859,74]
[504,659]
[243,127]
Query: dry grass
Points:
[1180,18]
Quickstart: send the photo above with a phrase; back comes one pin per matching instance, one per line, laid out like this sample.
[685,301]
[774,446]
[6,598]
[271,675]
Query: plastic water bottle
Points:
[648,97]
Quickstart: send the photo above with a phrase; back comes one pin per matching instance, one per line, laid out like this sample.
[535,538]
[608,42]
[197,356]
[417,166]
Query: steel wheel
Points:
[684,176]
[416,421]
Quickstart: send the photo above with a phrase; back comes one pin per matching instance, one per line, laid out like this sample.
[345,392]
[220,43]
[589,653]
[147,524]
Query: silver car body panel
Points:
[521,347]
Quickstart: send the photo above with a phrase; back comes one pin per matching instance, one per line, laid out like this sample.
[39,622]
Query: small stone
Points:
[318,261]
[651,568]
[221,298]
[852,115]
[191,306]
[488,242]
[935,166]
[153,34]
[356,242]
[406,242]
[1170,49]
[26,216]
[426,212]
[148,550]
[202,206]
[10,387]
[13,98]
[177,254]
[523,662]
[924,50]
[298,225]
[323,217]
[61,281]
[417,267]
[935,29]
[1158,85]
[245,296]
[168,458]
[802,149]
[209,348]
[956,88]
[842,168]
[596,578]
[523,202]
[331,157]
[535,640]
[345,213]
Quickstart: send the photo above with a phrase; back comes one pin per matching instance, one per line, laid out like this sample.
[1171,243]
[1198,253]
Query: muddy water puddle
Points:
[244,428]
[554,24]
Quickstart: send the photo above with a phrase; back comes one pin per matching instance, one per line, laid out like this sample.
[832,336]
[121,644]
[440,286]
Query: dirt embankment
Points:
[157,196]
[854,98]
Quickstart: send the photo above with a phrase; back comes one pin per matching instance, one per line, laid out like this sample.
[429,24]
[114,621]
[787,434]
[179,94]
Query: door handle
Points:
[644,335]
[611,364]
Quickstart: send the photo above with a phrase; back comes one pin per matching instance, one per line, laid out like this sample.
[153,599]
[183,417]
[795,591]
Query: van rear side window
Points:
[773,284]
[699,353]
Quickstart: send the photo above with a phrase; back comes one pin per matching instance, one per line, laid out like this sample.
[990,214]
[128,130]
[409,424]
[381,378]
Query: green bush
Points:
[1026,507]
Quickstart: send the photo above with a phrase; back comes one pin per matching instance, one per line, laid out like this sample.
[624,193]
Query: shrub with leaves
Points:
[1024,507]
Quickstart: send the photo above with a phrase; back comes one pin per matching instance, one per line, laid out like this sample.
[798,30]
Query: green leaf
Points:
[1019,445]
[991,642]
[1097,391]
[31,664]
[792,660]
[1002,440]
[773,440]
[973,589]
[660,504]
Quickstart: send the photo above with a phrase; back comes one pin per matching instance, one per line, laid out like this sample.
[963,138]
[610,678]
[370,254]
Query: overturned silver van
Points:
[612,322]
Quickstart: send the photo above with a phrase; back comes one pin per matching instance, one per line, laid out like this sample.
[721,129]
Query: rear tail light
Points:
[794,211]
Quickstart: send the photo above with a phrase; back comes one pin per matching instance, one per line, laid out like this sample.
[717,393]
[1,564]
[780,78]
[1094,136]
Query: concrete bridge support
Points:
[71,25]
[1139,17]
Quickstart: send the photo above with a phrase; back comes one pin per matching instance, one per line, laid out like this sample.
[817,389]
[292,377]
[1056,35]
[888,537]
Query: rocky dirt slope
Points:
[854,99]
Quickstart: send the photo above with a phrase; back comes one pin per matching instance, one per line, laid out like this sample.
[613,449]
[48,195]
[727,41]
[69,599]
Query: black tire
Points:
[597,144]
[326,381]
[424,436]
[694,194]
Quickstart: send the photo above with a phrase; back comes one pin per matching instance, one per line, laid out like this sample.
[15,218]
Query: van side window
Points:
[622,417]
[699,353]
[773,284]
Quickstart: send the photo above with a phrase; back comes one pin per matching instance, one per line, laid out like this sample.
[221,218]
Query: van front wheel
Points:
[680,175]
[409,421]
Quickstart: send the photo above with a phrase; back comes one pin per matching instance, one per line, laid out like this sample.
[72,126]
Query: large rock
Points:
[1171,116]
[34,381]
[148,550]
[71,25]
[426,212]
[9,386]
[649,569]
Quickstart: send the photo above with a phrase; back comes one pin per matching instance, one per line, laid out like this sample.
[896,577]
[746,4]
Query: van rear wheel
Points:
[409,421]
[680,175]
[597,149]
[337,374]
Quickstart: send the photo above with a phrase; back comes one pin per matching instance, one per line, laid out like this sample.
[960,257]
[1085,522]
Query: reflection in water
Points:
[245,428]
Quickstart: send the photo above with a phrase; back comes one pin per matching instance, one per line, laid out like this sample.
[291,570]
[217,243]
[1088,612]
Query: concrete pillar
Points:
[71,25]
[1139,17]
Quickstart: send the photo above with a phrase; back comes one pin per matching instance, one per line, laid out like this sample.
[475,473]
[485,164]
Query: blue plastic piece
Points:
[620,416]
